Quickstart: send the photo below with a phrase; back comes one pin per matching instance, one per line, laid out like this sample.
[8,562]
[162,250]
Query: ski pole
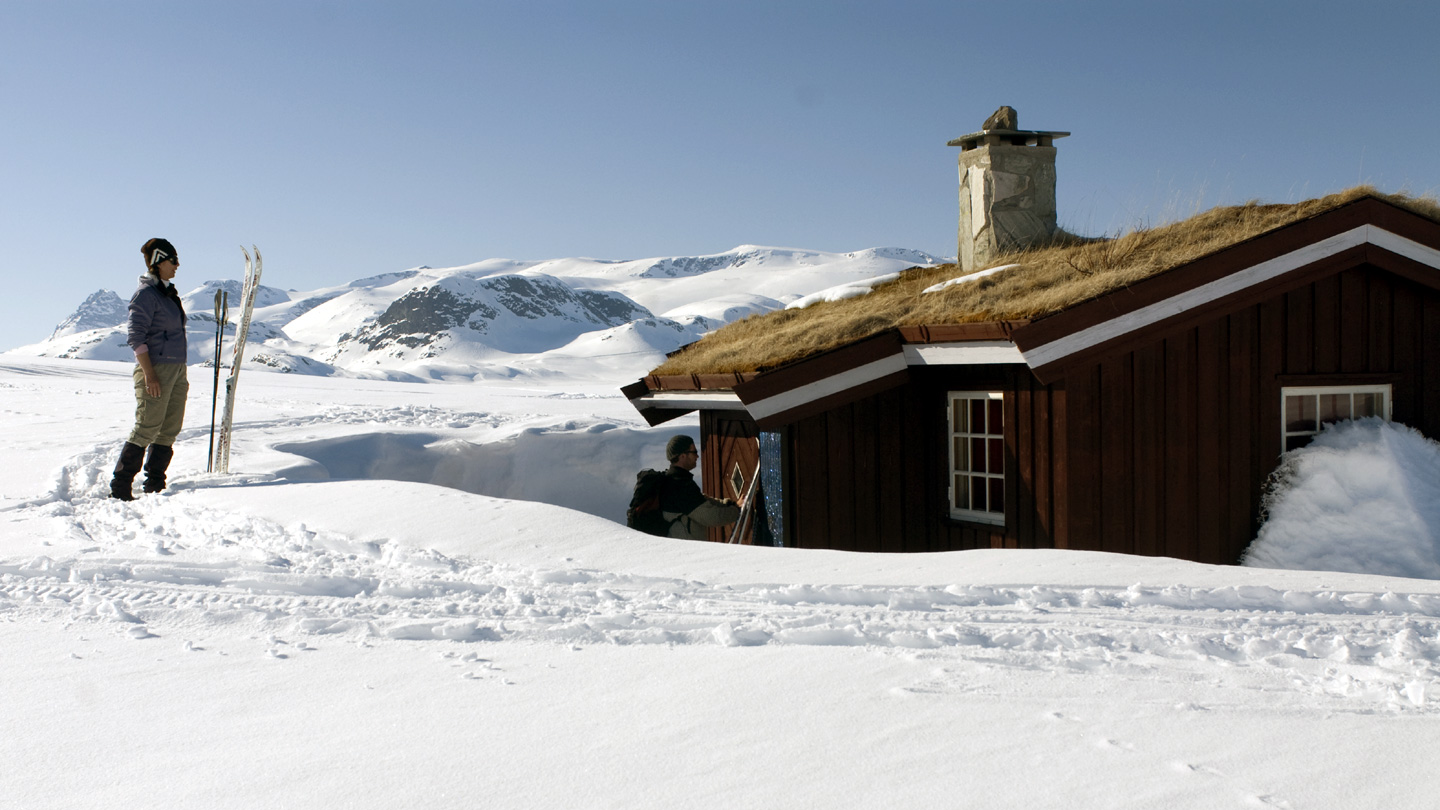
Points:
[222,313]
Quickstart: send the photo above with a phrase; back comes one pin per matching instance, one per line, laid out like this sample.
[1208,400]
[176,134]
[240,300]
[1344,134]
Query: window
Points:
[770,529]
[1305,410]
[977,456]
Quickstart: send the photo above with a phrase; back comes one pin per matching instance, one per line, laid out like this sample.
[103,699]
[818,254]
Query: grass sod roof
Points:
[1047,280]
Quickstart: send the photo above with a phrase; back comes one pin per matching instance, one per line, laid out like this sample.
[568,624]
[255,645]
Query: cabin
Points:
[1130,395]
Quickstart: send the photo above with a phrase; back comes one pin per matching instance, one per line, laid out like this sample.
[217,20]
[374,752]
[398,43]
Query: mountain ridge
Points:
[497,318]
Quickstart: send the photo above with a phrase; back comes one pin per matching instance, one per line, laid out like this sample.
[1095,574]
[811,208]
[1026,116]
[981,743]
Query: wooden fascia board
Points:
[1281,260]
[660,399]
[784,410]
[1406,265]
[821,367]
[826,380]
[869,367]
[956,332]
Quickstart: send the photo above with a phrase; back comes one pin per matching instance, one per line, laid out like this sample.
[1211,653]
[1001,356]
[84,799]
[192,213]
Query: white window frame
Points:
[1386,392]
[953,471]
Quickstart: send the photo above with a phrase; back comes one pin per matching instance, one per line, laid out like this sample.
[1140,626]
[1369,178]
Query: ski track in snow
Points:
[175,568]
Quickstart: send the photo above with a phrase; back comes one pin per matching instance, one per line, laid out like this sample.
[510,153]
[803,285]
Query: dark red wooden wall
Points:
[872,475]
[1170,445]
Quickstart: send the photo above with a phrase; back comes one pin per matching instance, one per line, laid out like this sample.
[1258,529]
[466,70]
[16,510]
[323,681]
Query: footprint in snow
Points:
[1267,801]
[1186,767]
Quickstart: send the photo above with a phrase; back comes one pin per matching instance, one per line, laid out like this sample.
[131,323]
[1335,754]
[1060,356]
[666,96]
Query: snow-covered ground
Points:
[390,605]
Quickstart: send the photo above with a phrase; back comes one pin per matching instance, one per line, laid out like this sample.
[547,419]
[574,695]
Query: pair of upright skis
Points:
[220,455]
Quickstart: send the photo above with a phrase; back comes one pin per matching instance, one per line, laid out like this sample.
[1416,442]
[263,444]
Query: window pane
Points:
[962,454]
[977,416]
[962,492]
[1365,405]
[997,456]
[1300,413]
[977,492]
[960,416]
[997,495]
[1292,442]
[977,455]
[995,426]
[1334,407]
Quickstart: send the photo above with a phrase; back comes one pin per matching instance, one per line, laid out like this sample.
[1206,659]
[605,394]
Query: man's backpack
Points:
[644,513]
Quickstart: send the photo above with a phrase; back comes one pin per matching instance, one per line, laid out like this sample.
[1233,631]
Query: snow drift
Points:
[1363,497]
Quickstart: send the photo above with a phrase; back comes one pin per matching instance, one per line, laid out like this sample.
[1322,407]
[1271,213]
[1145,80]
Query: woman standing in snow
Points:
[156,332]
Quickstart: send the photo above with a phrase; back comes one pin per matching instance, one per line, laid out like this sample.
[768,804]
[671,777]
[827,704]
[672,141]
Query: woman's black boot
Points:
[156,465]
[131,457]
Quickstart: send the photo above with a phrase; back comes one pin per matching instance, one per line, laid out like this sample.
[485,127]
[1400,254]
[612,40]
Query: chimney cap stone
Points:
[1006,137]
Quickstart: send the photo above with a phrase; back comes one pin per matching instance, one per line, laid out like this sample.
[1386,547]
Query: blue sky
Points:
[353,138]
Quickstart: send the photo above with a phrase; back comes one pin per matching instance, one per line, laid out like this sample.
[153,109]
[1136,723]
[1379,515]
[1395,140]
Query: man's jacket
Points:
[691,510]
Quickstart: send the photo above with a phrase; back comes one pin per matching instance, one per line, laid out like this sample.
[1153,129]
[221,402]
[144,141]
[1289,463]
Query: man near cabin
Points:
[690,511]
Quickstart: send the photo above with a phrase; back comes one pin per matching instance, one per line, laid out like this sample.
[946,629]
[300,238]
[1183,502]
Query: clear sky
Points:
[352,138]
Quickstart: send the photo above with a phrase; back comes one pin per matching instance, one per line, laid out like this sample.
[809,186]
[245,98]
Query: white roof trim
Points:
[1233,283]
[967,353]
[1408,248]
[688,400]
[795,397]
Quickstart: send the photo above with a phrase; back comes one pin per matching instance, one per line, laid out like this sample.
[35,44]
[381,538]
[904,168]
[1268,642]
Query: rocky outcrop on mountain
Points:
[101,310]
[419,316]
[697,265]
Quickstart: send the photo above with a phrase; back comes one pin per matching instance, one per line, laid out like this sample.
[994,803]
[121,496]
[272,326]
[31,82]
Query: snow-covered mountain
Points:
[496,318]
[103,309]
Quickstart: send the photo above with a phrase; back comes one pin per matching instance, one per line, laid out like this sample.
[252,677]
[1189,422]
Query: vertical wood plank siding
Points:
[1160,450]
[873,475]
[1200,413]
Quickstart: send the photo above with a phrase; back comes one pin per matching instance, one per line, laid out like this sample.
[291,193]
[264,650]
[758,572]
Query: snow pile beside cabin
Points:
[1363,497]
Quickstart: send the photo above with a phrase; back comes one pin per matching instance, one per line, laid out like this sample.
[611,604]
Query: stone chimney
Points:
[1007,189]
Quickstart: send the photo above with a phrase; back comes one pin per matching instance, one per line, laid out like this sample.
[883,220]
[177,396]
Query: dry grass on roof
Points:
[1046,281]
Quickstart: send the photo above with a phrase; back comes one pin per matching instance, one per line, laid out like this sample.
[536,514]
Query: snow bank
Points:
[1363,498]
[587,467]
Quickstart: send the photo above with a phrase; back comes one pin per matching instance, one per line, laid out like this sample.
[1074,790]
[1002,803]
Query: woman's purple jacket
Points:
[157,322]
